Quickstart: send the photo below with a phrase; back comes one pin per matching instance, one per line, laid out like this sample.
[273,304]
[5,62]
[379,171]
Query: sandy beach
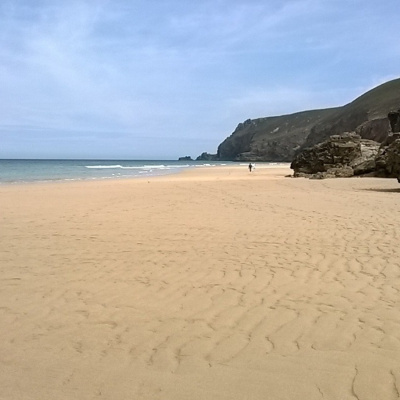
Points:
[214,283]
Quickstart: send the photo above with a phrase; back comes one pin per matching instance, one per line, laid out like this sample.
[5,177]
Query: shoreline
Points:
[139,177]
[211,283]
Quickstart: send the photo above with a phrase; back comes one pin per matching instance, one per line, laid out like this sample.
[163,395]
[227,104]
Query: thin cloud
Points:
[176,69]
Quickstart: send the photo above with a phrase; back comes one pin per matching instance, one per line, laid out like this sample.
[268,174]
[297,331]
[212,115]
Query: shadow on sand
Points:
[383,190]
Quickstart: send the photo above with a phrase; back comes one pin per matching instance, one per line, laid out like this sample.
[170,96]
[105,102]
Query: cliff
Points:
[348,155]
[280,138]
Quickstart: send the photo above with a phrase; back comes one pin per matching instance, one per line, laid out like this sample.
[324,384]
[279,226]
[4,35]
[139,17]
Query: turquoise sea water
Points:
[26,171]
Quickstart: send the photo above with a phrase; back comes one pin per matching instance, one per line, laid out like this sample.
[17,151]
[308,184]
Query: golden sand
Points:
[210,284]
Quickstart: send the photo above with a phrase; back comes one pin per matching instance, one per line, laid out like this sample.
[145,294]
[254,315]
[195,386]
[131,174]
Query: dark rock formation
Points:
[348,154]
[186,158]
[388,159]
[394,120]
[340,156]
[281,138]
[207,157]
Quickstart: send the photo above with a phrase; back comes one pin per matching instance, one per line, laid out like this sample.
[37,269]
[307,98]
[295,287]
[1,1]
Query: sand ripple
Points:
[219,286]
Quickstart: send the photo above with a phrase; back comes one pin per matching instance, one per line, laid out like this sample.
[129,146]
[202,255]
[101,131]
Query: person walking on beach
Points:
[250,167]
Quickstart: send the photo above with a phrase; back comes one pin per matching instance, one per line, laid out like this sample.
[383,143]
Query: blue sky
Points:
[162,79]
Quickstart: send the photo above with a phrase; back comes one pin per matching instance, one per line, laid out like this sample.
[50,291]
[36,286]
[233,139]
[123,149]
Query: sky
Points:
[160,79]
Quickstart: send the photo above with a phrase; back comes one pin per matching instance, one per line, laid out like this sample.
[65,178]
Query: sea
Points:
[31,171]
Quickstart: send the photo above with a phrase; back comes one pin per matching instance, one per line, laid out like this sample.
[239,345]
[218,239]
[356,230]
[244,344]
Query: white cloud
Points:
[174,68]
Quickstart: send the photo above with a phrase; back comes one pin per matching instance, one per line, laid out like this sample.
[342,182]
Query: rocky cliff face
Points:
[281,138]
[348,154]
[207,157]
[388,159]
[270,139]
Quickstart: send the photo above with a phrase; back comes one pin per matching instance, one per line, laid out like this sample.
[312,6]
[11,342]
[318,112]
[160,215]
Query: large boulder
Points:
[388,159]
[340,156]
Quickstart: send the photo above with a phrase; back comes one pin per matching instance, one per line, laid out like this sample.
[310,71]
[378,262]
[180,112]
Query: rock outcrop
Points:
[388,159]
[207,157]
[185,158]
[394,120]
[348,155]
[340,156]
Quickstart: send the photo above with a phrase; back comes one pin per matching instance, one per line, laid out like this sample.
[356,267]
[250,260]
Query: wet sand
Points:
[211,284]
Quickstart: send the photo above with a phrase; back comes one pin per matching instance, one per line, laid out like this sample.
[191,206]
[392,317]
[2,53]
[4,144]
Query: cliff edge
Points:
[280,138]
